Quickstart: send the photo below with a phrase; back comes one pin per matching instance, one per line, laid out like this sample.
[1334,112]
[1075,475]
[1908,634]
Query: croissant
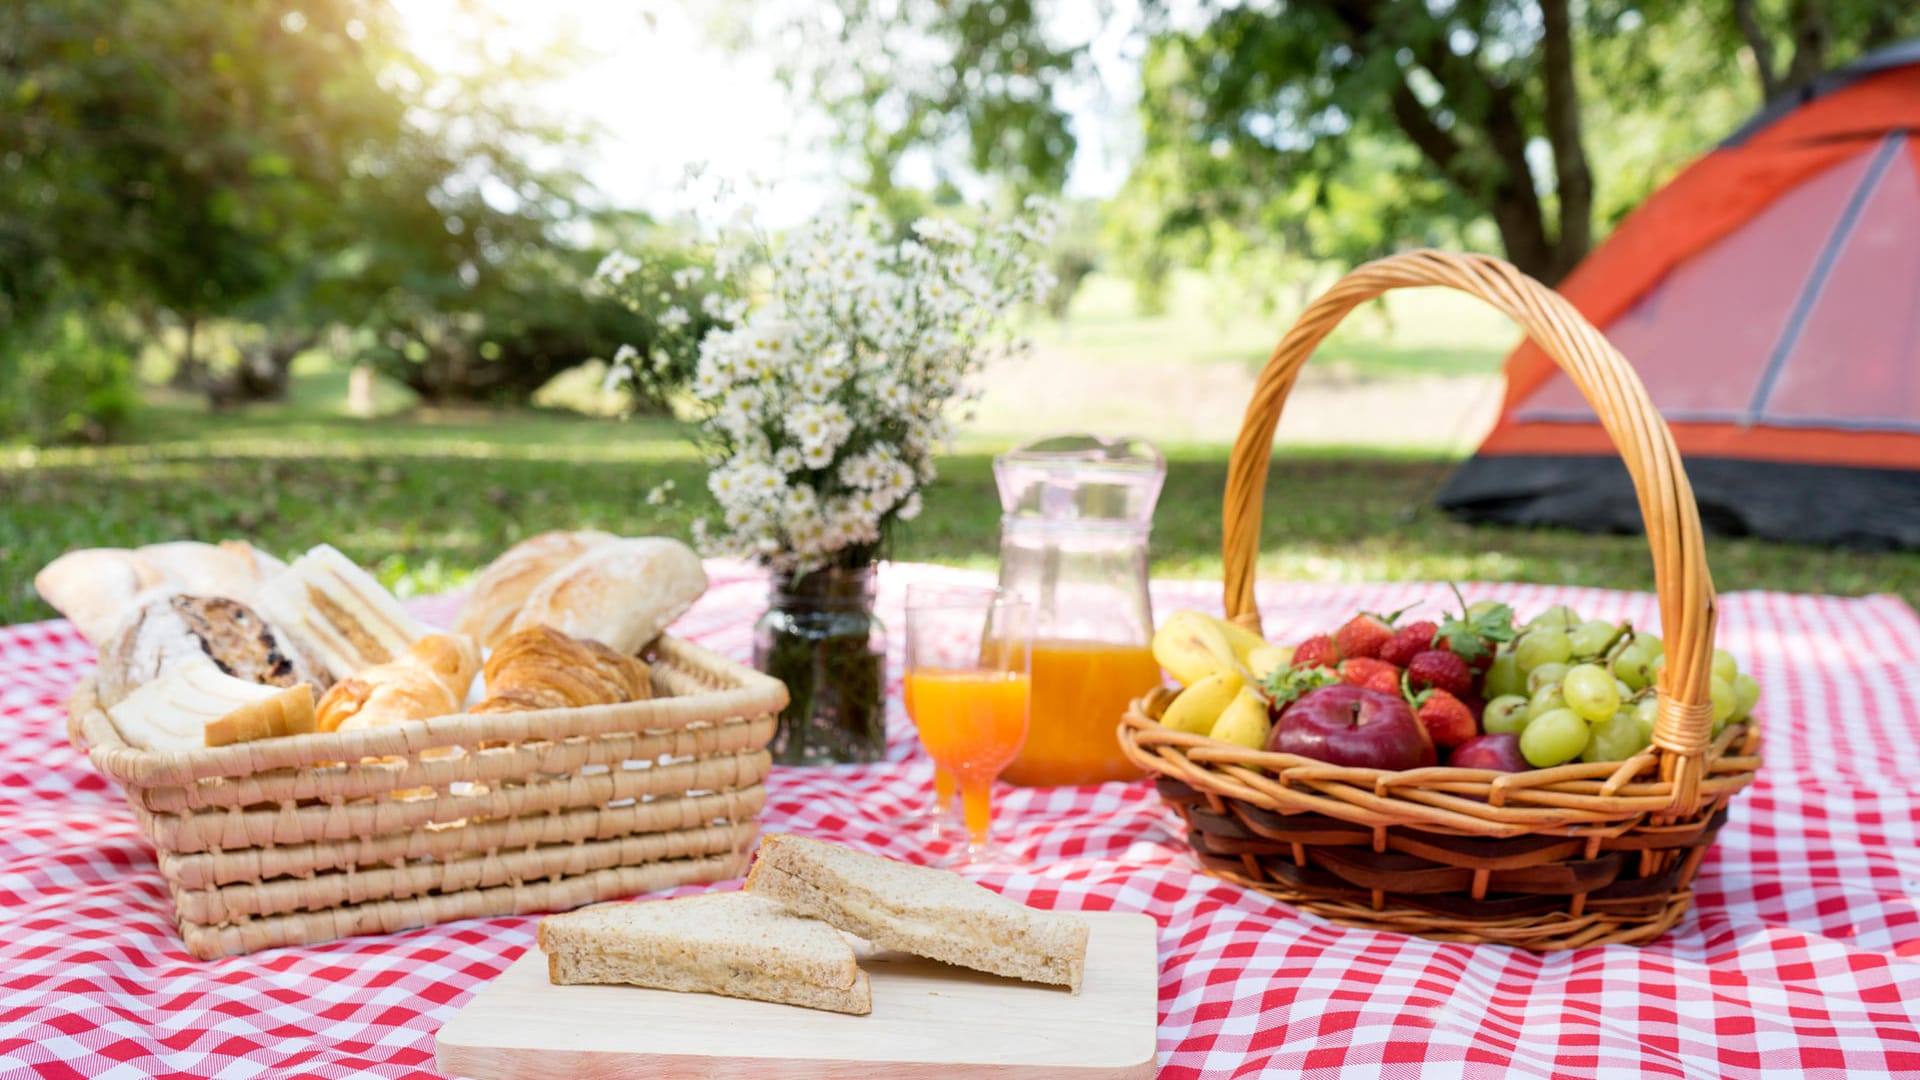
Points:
[430,679]
[542,668]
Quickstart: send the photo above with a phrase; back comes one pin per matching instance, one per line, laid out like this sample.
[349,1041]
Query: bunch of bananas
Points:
[1220,667]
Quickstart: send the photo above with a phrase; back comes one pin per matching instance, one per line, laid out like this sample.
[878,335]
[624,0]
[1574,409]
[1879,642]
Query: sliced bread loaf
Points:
[920,910]
[719,943]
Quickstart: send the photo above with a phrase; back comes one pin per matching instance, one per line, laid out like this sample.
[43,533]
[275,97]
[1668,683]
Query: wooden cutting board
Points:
[929,1019]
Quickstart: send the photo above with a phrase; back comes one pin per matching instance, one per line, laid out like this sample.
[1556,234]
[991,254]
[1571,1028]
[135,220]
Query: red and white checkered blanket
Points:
[1801,956]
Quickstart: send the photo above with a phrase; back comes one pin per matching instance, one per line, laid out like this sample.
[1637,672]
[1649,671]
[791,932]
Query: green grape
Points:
[1554,739]
[1620,687]
[1589,691]
[1545,700]
[1725,666]
[1725,700]
[1542,645]
[1545,674]
[1645,712]
[1592,638]
[1559,615]
[1506,714]
[1633,664]
[1504,677]
[1659,665]
[1616,738]
[1654,643]
[1481,607]
[1746,689]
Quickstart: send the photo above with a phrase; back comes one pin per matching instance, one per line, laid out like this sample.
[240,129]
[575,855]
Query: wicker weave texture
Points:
[314,837]
[1268,820]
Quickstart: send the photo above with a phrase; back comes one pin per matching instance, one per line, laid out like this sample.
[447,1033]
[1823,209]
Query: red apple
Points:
[1350,725]
[1499,752]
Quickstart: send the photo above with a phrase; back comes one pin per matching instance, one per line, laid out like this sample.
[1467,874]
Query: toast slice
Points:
[920,910]
[718,943]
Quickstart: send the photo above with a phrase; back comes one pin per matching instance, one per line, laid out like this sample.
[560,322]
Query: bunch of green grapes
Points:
[1572,688]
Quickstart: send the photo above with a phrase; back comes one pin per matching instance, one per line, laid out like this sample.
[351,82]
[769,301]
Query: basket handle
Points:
[1688,611]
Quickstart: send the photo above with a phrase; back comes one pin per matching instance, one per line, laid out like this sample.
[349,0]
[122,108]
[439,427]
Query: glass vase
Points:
[821,637]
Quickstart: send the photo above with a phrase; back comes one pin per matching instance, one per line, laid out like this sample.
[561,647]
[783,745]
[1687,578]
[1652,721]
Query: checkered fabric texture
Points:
[1801,956]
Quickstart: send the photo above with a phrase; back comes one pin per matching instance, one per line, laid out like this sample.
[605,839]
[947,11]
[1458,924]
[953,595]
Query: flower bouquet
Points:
[826,381]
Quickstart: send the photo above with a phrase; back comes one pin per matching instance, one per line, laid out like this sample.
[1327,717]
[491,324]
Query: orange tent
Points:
[1769,297]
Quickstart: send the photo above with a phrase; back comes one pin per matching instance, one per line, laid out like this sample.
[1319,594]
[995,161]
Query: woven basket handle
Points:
[1687,608]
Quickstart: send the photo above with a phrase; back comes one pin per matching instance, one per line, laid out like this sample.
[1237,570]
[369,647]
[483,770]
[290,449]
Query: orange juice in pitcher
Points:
[1077,511]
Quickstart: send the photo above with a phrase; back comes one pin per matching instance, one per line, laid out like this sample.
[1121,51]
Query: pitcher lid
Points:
[1079,476]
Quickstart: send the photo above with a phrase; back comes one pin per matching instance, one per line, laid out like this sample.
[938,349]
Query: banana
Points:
[1195,709]
[1245,722]
[1191,646]
[1267,659]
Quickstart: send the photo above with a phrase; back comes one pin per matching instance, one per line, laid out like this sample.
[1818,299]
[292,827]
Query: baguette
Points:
[718,943]
[506,583]
[920,910]
[621,594]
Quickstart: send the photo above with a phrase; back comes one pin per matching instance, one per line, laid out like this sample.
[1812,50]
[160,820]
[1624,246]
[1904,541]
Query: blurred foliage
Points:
[1282,136]
[66,377]
[238,181]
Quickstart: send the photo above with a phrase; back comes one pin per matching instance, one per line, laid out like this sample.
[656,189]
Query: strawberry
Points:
[1372,674]
[1441,670]
[1409,640]
[1316,651]
[1447,719]
[1363,635]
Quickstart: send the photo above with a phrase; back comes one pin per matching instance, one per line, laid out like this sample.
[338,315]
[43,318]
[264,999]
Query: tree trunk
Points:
[1811,38]
[1757,42]
[186,373]
[1574,179]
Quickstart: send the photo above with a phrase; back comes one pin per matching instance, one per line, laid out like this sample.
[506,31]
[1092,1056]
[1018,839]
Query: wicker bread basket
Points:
[1581,854]
[309,838]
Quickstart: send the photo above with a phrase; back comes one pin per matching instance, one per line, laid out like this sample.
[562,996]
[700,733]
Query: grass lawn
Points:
[428,500]
[1411,331]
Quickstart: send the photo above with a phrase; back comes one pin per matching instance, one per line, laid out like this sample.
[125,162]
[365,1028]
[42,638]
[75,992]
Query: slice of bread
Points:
[718,943]
[920,910]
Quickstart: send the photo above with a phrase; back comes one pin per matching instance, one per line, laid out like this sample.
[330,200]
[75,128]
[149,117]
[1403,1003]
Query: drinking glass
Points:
[969,653]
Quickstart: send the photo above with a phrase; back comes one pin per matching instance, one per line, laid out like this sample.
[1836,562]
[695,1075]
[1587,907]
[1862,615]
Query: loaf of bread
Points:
[98,588]
[621,594]
[169,628]
[338,612]
[430,679]
[195,704]
[542,668]
[503,587]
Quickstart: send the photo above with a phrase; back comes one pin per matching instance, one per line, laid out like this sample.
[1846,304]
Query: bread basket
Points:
[309,838]
[1581,854]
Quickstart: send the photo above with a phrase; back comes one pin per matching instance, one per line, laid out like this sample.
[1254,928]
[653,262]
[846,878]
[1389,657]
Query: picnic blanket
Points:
[1801,956]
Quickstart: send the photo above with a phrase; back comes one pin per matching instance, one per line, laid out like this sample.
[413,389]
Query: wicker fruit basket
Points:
[309,838]
[1581,854]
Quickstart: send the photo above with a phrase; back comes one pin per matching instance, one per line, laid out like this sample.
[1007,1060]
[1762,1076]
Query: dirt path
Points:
[1203,403]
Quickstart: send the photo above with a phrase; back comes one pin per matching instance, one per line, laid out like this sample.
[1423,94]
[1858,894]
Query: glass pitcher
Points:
[1077,511]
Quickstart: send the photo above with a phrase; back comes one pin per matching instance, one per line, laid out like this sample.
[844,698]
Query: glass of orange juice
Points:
[968,689]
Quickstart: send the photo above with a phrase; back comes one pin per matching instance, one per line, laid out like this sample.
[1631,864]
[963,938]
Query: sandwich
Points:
[347,621]
[732,943]
[920,910]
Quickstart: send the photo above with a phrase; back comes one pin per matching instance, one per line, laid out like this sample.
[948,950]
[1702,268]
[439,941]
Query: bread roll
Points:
[98,588]
[542,668]
[621,594]
[167,630]
[95,588]
[338,612]
[504,585]
[430,679]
